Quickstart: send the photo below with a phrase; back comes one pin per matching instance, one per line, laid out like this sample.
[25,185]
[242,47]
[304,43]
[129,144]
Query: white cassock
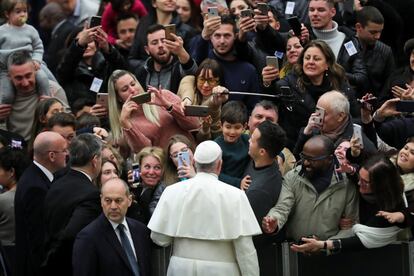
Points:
[210,224]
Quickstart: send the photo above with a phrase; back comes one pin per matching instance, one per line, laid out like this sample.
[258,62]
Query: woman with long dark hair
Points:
[315,73]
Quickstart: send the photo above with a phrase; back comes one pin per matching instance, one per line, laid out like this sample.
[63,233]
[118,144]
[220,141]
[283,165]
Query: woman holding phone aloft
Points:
[148,124]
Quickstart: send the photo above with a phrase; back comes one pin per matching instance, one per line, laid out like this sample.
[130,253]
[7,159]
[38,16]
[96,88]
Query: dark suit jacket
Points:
[28,204]
[54,51]
[98,251]
[71,204]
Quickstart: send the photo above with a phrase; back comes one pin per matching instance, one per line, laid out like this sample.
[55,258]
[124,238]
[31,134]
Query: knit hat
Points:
[207,152]
[409,46]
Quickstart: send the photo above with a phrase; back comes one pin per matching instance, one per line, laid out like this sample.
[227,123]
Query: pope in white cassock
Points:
[209,223]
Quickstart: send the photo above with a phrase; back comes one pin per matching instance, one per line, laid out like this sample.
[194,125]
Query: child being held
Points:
[234,143]
[16,35]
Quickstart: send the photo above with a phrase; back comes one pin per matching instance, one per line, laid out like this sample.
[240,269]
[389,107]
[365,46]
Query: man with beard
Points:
[314,196]
[168,61]
[217,41]
[377,56]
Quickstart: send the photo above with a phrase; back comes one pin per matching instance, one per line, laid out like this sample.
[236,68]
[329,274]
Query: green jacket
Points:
[307,213]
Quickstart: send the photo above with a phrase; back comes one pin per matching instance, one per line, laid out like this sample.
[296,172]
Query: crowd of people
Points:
[216,127]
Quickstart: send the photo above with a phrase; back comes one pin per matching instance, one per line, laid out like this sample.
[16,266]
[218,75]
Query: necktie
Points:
[128,249]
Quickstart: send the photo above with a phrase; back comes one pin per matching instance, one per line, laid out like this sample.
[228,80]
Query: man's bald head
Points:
[50,150]
[115,199]
[50,15]
[321,144]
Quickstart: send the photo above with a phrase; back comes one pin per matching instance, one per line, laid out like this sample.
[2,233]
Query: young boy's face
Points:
[232,132]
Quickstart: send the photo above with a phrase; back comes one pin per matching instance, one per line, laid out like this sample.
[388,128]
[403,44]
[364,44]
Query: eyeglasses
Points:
[65,151]
[311,159]
[211,81]
[174,155]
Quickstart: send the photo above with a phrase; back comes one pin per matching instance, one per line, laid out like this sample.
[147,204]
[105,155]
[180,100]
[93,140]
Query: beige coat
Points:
[307,213]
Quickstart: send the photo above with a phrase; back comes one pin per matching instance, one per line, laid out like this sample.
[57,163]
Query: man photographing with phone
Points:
[168,61]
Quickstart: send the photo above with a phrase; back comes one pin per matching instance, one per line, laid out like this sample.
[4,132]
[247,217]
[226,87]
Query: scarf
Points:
[374,237]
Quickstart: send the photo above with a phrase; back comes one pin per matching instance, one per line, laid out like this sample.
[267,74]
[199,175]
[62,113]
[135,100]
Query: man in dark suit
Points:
[72,203]
[102,248]
[53,20]
[50,151]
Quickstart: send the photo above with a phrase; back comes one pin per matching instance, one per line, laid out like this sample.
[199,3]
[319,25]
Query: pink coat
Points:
[143,133]
[109,18]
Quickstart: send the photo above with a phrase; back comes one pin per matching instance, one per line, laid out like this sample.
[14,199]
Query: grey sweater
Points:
[14,38]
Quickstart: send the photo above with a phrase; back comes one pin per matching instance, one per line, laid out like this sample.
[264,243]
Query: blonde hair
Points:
[115,105]
[156,152]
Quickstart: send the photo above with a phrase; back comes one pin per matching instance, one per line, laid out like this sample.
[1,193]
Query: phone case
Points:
[142,98]
[196,110]
[102,99]
[183,156]
[94,21]
[212,11]
[246,13]
[263,8]
[358,134]
[321,114]
[170,29]
[272,61]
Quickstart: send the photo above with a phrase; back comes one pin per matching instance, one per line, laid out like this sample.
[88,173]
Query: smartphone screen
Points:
[136,173]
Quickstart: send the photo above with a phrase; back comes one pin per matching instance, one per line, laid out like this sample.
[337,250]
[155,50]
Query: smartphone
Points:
[263,8]
[212,12]
[246,13]
[94,21]
[136,173]
[169,29]
[102,99]
[405,106]
[358,134]
[142,98]
[272,61]
[197,110]
[371,100]
[295,25]
[321,114]
[183,156]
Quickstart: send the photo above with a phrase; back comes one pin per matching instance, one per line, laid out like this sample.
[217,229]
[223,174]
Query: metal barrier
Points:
[396,259]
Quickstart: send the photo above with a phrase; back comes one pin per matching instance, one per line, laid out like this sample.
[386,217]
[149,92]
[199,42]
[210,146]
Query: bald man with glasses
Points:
[314,196]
